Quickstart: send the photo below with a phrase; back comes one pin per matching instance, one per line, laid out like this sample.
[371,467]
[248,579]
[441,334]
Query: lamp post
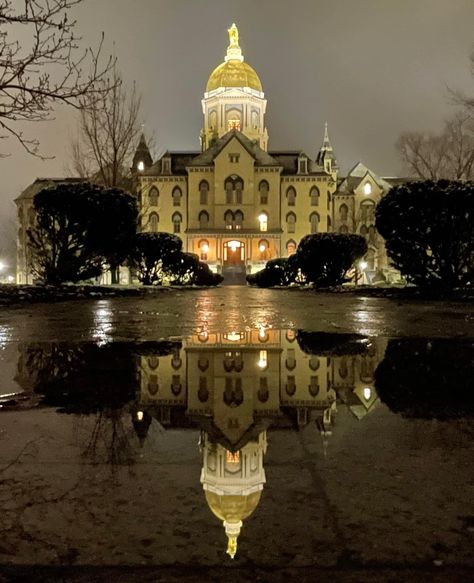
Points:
[362,267]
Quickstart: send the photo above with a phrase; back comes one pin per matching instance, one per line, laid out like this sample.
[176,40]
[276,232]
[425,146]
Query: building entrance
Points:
[233,269]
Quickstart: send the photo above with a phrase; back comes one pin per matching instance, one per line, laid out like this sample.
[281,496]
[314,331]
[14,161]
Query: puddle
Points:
[263,443]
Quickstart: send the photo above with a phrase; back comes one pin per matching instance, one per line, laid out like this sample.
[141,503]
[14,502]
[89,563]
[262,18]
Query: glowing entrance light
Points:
[262,361]
[234,245]
[367,393]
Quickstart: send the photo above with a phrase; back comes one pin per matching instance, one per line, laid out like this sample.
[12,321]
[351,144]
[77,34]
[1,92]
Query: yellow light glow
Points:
[141,166]
[139,415]
[367,393]
[367,188]
[205,248]
[262,218]
[233,336]
[232,458]
[262,248]
[262,362]
[262,332]
[363,265]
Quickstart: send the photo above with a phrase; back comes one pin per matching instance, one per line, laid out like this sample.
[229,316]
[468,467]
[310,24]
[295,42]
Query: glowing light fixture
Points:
[205,248]
[262,333]
[233,245]
[367,188]
[367,393]
[233,336]
[10,279]
[263,220]
[139,415]
[262,362]
[262,248]
[363,265]
[141,166]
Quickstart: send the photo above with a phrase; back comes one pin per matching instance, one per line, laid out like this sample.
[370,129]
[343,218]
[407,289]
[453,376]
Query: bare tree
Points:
[41,64]
[449,154]
[109,130]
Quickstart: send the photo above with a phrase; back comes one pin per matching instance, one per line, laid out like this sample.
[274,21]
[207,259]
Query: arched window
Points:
[329,224]
[203,191]
[177,218]
[367,188]
[153,384]
[314,222]
[367,211]
[263,247]
[363,231]
[290,247]
[343,212]
[153,196]
[291,222]
[372,235]
[229,190]
[154,220]
[263,220]
[213,119]
[313,362]
[203,392]
[263,189]
[290,385]
[177,194]
[203,249]
[203,220]
[153,362]
[31,215]
[229,219]
[314,196]
[263,392]
[291,196]
[239,219]
[313,386]
[343,229]
[238,191]
[290,361]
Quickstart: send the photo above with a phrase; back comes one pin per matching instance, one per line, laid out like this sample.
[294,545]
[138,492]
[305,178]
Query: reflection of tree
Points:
[331,344]
[429,379]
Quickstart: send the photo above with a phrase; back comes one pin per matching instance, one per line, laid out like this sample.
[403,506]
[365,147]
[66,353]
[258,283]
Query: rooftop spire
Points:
[234,52]
[326,143]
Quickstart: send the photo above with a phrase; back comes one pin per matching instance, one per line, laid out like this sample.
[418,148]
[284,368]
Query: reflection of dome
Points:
[234,73]
[232,508]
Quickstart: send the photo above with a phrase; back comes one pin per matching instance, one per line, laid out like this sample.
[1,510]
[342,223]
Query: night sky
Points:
[370,68]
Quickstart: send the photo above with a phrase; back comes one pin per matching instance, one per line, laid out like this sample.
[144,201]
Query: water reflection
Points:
[236,388]
[233,387]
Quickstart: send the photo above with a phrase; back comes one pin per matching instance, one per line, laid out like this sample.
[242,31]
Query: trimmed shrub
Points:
[429,231]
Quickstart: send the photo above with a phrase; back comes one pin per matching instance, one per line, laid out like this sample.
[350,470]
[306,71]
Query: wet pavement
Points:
[326,437]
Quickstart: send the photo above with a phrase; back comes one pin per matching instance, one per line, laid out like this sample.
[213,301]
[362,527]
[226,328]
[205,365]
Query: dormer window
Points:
[302,166]
[367,188]
[141,166]
[166,166]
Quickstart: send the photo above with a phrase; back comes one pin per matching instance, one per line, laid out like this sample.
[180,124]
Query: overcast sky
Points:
[370,68]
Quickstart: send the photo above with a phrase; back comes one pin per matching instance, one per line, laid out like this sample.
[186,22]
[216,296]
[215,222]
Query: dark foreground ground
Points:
[386,499]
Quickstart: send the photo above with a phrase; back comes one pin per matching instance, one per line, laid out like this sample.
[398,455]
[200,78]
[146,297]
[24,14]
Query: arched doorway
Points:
[233,269]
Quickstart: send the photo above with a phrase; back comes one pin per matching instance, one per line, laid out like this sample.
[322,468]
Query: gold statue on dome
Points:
[233,35]
[232,546]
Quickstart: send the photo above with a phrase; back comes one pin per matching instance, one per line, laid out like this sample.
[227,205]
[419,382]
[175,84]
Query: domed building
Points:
[236,203]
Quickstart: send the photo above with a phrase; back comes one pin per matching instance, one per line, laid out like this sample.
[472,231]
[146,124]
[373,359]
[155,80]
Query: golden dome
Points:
[234,72]
[232,508]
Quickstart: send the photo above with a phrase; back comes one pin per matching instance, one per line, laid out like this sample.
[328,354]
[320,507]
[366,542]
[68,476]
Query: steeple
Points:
[142,158]
[326,157]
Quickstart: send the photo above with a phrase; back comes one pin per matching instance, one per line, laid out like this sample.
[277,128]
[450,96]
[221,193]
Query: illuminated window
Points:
[177,194]
[263,220]
[314,196]
[314,223]
[233,124]
[153,221]
[239,219]
[232,458]
[262,361]
[203,192]
[153,196]
[177,218]
[203,220]
[367,188]
[263,189]
[290,247]
[291,222]
[291,196]
[203,250]
[229,220]
[141,166]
